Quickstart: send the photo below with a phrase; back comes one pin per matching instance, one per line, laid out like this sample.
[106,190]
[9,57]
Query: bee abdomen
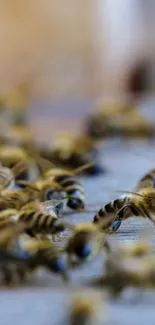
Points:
[110,208]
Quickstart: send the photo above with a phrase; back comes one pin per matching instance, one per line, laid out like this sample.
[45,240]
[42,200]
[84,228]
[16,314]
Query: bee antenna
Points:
[130,192]
[83,167]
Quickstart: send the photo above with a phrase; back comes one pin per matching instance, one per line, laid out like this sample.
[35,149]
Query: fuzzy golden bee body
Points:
[85,309]
[46,254]
[119,120]
[72,152]
[86,242]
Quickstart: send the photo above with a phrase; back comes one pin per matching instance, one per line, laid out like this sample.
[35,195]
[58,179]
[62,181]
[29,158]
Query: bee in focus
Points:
[140,202]
[86,242]
[85,309]
[74,152]
[69,183]
[46,254]
[119,120]
[38,221]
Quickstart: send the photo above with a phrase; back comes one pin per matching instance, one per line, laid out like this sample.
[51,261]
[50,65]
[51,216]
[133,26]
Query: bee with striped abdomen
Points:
[70,184]
[38,221]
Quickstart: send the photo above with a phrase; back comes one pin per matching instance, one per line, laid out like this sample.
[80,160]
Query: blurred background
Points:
[67,55]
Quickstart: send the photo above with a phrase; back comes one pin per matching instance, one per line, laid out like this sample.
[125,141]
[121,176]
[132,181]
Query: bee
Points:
[69,183]
[38,221]
[85,309]
[11,155]
[121,120]
[85,243]
[49,190]
[14,266]
[140,202]
[16,136]
[74,152]
[16,199]
[46,254]
[12,107]
[8,176]
[6,218]
[125,271]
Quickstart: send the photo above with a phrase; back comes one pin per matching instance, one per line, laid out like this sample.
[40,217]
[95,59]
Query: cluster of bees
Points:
[38,185]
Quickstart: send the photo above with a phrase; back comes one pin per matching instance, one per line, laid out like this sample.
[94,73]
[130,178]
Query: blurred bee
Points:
[121,120]
[16,199]
[140,202]
[8,176]
[12,107]
[125,271]
[46,254]
[38,221]
[16,136]
[13,266]
[85,309]
[69,183]
[11,155]
[86,242]
[74,152]
[7,218]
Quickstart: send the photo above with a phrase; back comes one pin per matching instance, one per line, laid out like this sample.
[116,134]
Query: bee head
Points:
[82,245]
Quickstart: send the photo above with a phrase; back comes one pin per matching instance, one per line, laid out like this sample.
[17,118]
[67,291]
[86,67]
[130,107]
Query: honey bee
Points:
[140,202]
[13,266]
[74,152]
[8,176]
[85,243]
[121,120]
[125,271]
[46,254]
[16,136]
[11,155]
[85,309]
[69,183]
[38,221]
[12,107]
[16,199]
[49,190]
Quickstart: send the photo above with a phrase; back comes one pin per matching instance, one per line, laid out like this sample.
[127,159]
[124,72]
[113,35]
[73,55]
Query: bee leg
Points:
[120,217]
[136,211]
[146,214]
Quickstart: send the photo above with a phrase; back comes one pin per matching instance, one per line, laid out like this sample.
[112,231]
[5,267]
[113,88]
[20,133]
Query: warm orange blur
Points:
[49,46]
